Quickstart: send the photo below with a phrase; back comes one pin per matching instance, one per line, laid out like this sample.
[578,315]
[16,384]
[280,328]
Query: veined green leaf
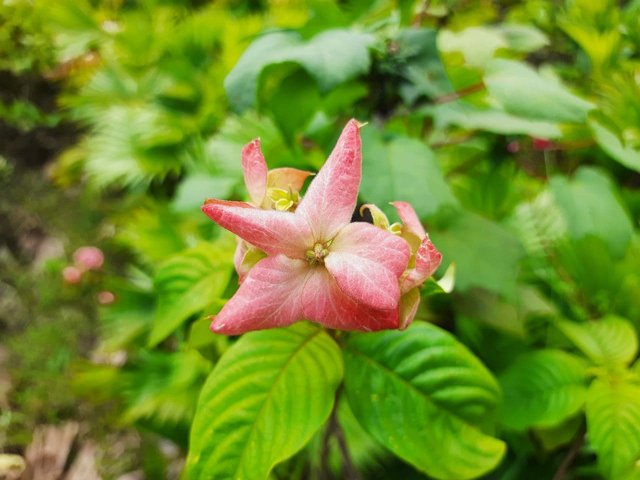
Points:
[266,397]
[523,91]
[611,340]
[613,426]
[543,388]
[422,394]
[188,282]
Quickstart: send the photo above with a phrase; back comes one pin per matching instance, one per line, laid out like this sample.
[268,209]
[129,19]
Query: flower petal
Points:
[286,178]
[271,231]
[410,218]
[324,302]
[428,259]
[367,262]
[332,195]
[254,169]
[269,296]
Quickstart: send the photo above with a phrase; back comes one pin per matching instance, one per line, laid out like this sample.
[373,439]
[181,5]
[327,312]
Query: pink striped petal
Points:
[324,302]
[428,259]
[254,169]
[271,231]
[331,197]
[367,262]
[410,218]
[270,296]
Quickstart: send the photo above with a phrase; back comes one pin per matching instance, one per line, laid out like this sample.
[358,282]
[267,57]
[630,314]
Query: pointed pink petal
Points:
[428,259]
[331,197]
[323,302]
[254,168]
[271,231]
[409,218]
[286,178]
[367,262]
[269,296]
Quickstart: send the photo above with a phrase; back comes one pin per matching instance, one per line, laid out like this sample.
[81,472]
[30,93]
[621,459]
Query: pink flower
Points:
[319,266]
[88,258]
[72,275]
[106,297]
[542,144]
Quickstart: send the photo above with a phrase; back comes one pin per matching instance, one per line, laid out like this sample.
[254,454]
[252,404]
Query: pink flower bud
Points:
[106,298]
[542,144]
[72,275]
[513,146]
[89,258]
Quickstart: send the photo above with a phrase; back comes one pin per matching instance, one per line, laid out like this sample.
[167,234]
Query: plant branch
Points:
[576,445]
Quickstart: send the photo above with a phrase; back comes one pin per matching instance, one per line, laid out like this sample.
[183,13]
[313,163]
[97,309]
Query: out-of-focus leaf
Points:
[486,254]
[590,207]
[331,58]
[266,397]
[188,282]
[522,91]
[613,426]
[611,340]
[196,188]
[402,169]
[542,389]
[422,394]
[613,146]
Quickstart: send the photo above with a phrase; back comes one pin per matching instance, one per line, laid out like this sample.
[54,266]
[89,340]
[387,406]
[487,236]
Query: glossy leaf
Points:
[422,394]
[266,397]
[189,282]
[542,388]
[613,426]
[611,340]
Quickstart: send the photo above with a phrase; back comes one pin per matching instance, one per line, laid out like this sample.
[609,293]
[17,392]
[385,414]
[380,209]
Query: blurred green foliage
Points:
[512,127]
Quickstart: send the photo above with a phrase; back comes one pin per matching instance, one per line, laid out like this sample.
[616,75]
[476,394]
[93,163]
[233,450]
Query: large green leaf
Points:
[611,340]
[522,91]
[613,422]
[612,145]
[402,169]
[590,207]
[543,388]
[422,394]
[189,282]
[331,58]
[262,403]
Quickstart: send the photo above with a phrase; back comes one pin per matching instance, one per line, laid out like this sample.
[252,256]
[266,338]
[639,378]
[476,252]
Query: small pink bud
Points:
[513,146]
[106,298]
[72,275]
[89,258]
[542,144]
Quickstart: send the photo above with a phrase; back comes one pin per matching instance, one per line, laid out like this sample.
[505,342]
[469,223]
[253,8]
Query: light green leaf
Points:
[422,394]
[402,169]
[331,58]
[266,397]
[520,90]
[543,388]
[590,207]
[613,426]
[188,282]
[196,188]
[486,254]
[611,340]
[613,146]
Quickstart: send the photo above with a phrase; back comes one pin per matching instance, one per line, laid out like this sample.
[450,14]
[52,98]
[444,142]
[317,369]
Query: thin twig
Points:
[463,92]
[573,452]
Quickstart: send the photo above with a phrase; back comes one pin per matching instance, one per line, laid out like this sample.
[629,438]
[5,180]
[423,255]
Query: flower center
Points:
[315,256]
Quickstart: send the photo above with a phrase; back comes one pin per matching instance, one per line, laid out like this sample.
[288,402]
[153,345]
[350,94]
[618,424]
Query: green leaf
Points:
[613,425]
[486,254]
[613,146]
[331,58]
[611,340]
[266,397]
[188,282]
[422,394]
[590,206]
[520,90]
[196,188]
[542,388]
[403,169]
